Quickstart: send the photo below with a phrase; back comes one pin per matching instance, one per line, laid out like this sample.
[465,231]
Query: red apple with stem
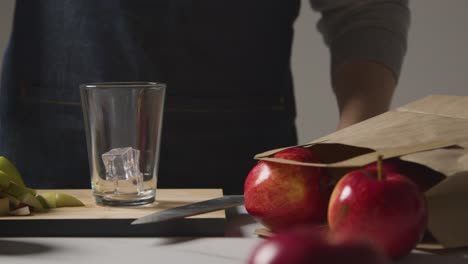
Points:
[307,244]
[283,195]
[385,207]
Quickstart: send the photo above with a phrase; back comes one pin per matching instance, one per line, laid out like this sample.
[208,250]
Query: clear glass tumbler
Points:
[123,124]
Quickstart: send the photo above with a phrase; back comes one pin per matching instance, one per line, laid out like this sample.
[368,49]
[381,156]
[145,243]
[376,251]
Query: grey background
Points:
[436,63]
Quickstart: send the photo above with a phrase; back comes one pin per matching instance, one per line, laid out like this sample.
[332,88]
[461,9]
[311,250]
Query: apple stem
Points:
[379,167]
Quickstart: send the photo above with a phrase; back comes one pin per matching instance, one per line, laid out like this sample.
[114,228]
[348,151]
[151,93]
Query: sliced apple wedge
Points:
[43,201]
[10,170]
[17,191]
[66,200]
[17,199]
[4,180]
[32,201]
[56,200]
[24,195]
[50,199]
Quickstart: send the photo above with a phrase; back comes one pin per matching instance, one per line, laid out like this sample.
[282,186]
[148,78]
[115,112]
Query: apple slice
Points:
[43,202]
[24,195]
[66,200]
[10,170]
[50,199]
[4,206]
[32,201]
[56,200]
[17,191]
[18,198]
[4,180]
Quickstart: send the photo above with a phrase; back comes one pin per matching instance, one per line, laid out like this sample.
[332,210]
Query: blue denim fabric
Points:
[226,65]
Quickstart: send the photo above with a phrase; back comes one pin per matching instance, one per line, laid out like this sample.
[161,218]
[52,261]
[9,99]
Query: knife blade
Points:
[192,209]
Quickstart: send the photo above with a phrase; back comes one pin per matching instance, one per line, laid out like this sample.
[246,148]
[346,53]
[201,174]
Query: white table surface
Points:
[235,247]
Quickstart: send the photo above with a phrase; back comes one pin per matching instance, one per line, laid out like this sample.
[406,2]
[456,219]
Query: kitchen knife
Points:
[192,209]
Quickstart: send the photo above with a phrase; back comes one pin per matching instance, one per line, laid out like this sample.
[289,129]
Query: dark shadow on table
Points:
[14,248]
[421,258]
[167,241]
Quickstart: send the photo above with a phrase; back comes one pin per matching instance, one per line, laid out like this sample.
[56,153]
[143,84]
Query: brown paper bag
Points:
[432,132]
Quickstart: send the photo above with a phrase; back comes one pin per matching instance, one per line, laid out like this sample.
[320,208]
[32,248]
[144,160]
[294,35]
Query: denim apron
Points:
[226,65]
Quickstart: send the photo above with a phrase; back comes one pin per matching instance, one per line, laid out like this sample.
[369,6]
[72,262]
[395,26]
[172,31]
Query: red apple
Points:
[304,245]
[282,195]
[423,176]
[382,206]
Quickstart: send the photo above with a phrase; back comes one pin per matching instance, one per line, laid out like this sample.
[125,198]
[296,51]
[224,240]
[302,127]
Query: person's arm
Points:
[363,89]
[367,41]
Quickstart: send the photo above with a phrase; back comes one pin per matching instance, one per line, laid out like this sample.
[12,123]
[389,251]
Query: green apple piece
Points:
[4,206]
[43,201]
[24,195]
[9,169]
[4,180]
[31,191]
[56,200]
[18,191]
[50,198]
[21,211]
[66,200]
[32,201]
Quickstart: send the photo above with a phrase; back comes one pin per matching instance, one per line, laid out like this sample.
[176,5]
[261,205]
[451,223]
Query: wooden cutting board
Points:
[96,220]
